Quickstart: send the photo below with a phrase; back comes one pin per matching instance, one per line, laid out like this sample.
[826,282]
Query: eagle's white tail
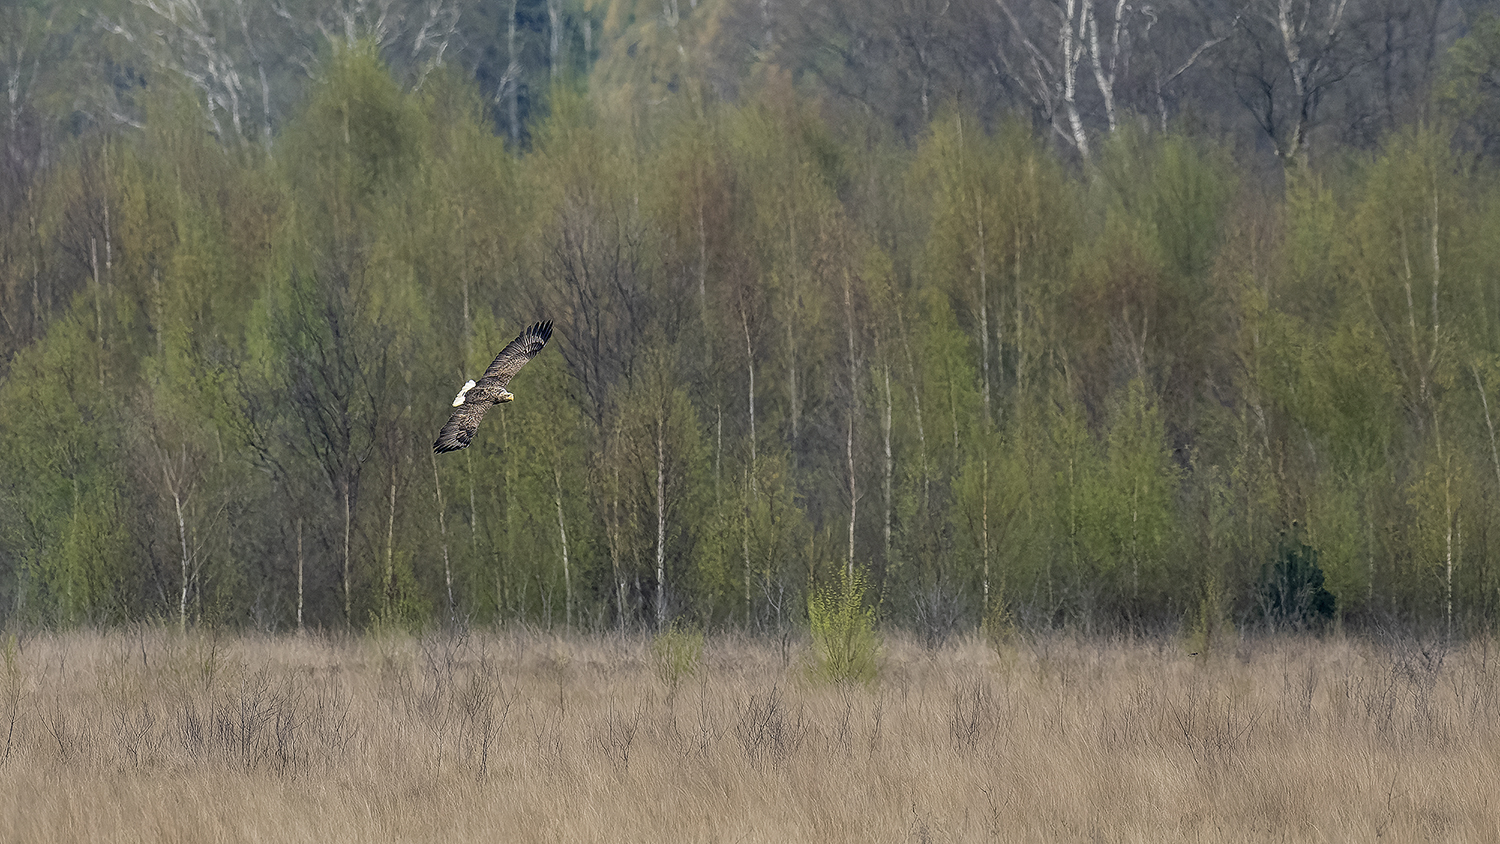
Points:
[459,399]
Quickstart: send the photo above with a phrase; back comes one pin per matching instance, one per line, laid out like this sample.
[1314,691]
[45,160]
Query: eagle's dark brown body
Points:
[478,396]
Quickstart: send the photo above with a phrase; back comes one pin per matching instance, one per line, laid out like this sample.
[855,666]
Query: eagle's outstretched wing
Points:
[515,355]
[461,426]
[477,398]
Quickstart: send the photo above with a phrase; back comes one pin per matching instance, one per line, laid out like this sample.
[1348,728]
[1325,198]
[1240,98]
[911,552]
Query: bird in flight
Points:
[476,397]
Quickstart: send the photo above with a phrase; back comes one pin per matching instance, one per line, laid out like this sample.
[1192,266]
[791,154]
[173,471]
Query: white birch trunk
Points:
[750,470]
[984,528]
[98,306]
[791,318]
[853,412]
[1072,52]
[750,391]
[513,96]
[437,489]
[889,463]
[1452,519]
[562,531]
[299,576]
[348,523]
[554,32]
[182,538]
[661,523]
[1489,423]
[853,493]
[1105,77]
[614,548]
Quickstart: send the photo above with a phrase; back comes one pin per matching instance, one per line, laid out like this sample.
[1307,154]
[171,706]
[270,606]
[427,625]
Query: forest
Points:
[1015,314]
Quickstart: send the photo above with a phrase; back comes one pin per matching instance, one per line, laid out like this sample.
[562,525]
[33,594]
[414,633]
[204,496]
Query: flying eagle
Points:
[476,396]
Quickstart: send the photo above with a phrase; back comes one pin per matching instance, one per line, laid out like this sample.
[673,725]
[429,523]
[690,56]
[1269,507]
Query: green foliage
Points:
[1291,591]
[845,644]
[358,137]
[676,654]
[1037,392]
[1466,86]
[60,450]
[1139,490]
[1210,628]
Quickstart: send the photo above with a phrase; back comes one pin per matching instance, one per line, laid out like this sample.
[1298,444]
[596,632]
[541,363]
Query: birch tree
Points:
[1291,56]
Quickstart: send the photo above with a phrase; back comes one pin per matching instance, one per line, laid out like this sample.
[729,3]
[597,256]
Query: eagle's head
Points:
[505,396]
[459,399]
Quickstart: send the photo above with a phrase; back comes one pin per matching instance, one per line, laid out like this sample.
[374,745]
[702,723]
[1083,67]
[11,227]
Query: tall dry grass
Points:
[516,736]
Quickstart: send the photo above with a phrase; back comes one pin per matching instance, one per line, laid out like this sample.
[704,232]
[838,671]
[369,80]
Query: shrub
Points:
[676,653]
[1210,627]
[843,630]
[1292,593]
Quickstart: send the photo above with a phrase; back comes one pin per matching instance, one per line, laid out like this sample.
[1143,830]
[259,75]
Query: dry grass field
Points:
[517,736]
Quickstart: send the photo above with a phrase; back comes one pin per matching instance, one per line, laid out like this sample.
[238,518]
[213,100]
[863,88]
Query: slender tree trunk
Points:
[562,531]
[348,524]
[437,490]
[1105,79]
[468,328]
[1489,424]
[750,470]
[1290,33]
[1135,540]
[1019,334]
[260,67]
[390,546]
[794,403]
[299,575]
[796,406]
[853,412]
[702,266]
[745,545]
[1432,358]
[109,250]
[554,33]
[981,265]
[36,268]
[473,513]
[750,393]
[614,548]
[661,523]
[1451,526]
[984,310]
[98,305]
[890,465]
[160,306]
[953,409]
[1370,549]
[1411,324]
[510,526]
[853,493]
[1072,51]
[984,528]
[916,401]
[182,538]
[512,96]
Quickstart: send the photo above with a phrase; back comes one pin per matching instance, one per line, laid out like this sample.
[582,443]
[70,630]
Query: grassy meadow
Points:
[152,735]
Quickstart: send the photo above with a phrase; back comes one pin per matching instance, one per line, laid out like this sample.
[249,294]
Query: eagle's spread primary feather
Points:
[476,397]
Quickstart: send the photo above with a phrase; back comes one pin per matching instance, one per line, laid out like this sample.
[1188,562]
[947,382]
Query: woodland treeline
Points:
[1098,340]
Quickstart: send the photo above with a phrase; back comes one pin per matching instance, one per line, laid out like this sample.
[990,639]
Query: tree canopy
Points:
[1165,326]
